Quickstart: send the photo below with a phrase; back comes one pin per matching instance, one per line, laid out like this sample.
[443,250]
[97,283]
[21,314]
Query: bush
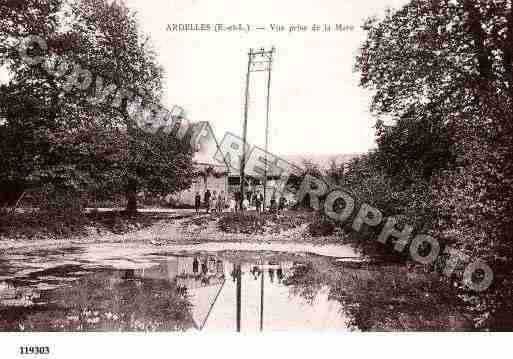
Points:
[242,222]
[321,225]
[60,200]
[43,224]
[58,224]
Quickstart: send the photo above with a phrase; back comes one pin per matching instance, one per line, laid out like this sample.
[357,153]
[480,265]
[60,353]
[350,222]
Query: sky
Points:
[316,104]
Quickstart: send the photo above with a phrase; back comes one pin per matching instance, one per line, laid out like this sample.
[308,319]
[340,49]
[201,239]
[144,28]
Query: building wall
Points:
[201,184]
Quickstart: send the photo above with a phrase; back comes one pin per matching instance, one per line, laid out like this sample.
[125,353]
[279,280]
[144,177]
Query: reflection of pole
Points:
[244,131]
[267,125]
[212,305]
[262,297]
[238,294]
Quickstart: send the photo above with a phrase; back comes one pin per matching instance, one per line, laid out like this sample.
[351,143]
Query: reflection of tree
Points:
[380,297]
[384,298]
[306,281]
[101,303]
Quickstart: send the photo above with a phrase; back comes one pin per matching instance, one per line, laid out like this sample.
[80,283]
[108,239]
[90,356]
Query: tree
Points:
[442,70]
[113,47]
[35,124]
[60,133]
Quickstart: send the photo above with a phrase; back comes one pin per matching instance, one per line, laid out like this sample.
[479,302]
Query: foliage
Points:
[441,72]
[108,302]
[255,223]
[51,134]
[381,297]
[247,223]
[321,226]
[58,223]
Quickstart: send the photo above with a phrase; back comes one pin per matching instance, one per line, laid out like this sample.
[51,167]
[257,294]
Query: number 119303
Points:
[34,350]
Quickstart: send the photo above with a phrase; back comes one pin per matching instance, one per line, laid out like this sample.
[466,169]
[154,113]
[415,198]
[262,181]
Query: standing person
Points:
[220,202]
[248,197]
[237,200]
[279,274]
[261,200]
[257,202]
[195,265]
[197,202]
[273,202]
[214,201]
[204,268]
[233,205]
[207,199]
[245,204]
[281,204]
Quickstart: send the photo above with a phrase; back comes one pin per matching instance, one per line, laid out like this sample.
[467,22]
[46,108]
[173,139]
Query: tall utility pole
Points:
[258,61]
[267,124]
[245,131]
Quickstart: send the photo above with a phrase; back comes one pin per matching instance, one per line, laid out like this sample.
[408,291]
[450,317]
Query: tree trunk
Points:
[131,197]
[132,185]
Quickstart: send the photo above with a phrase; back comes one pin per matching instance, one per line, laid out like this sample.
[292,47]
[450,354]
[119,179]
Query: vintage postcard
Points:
[194,166]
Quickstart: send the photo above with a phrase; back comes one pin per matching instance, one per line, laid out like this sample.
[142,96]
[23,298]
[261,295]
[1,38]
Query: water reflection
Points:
[228,291]
[193,292]
[228,295]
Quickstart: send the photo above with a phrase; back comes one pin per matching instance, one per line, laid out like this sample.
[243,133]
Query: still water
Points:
[220,291]
[118,287]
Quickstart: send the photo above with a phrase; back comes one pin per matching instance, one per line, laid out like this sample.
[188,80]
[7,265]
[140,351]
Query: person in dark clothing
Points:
[261,200]
[279,274]
[204,268]
[207,199]
[195,265]
[237,200]
[273,203]
[197,202]
[271,274]
[258,203]
[281,204]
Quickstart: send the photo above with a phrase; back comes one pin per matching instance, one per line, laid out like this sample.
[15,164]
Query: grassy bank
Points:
[72,224]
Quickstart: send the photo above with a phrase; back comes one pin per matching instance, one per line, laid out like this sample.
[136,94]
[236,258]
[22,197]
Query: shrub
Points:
[321,225]
[242,222]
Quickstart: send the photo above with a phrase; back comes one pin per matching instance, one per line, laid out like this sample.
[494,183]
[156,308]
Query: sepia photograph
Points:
[173,170]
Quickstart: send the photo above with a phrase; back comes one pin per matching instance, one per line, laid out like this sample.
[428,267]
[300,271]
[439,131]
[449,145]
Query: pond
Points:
[231,290]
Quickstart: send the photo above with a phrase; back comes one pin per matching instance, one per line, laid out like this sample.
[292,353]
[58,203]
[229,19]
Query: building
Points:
[209,173]
[214,173]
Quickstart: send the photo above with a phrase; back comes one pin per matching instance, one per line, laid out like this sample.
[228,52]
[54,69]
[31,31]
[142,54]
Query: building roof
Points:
[206,145]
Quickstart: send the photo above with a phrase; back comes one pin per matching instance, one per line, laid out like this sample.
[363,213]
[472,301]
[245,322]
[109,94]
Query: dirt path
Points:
[188,230]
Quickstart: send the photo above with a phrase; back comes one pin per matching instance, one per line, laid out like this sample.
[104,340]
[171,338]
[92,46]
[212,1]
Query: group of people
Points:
[214,202]
[251,200]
